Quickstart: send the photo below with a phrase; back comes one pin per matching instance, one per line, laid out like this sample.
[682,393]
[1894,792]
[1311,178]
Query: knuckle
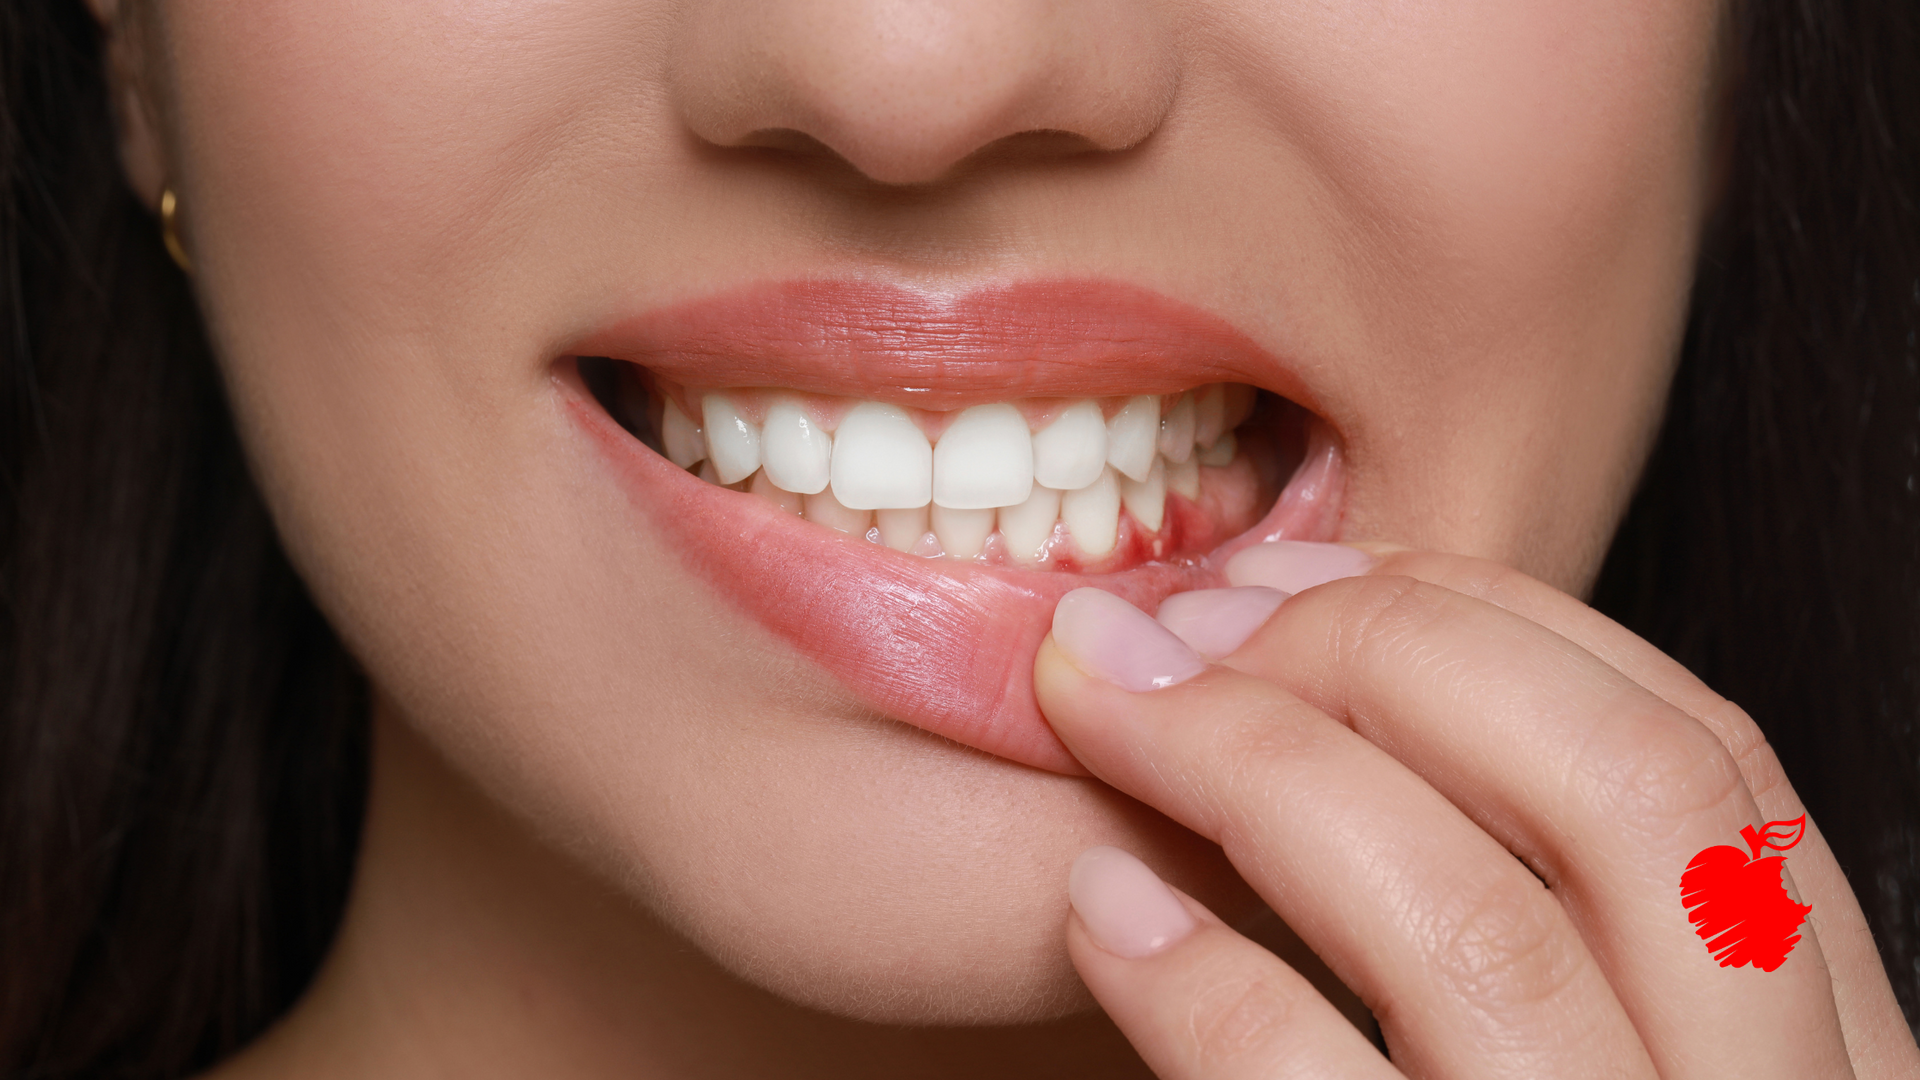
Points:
[1751,752]
[1508,948]
[1482,579]
[1234,1018]
[1259,750]
[1381,616]
[1649,771]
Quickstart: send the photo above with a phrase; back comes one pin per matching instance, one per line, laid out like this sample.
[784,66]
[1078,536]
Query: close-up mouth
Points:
[901,486]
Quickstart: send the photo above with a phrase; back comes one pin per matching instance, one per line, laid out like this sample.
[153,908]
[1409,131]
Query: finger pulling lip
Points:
[943,645]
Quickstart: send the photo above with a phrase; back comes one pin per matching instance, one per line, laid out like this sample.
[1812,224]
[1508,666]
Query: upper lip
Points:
[932,350]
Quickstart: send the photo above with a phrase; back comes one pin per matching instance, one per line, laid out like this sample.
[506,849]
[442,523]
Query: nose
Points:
[905,89]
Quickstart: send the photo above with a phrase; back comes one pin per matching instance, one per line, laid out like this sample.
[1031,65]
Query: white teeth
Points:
[768,490]
[1146,499]
[1027,527]
[985,459]
[881,460]
[1092,514]
[962,533]
[1221,451]
[1209,414]
[877,475]
[1183,478]
[795,452]
[681,437]
[823,509]
[733,442]
[1176,431]
[901,529]
[1131,434]
[1070,452]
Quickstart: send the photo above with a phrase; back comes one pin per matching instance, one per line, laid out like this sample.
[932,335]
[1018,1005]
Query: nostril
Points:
[786,140]
[1023,147]
[905,92]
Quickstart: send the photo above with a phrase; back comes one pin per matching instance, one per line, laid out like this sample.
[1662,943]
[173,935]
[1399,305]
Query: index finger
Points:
[1603,787]
[1876,1033]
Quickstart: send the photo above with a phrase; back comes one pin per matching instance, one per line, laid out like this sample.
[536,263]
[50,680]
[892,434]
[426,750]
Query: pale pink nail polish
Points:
[1295,565]
[1216,622]
[1110,639]
[1127,909]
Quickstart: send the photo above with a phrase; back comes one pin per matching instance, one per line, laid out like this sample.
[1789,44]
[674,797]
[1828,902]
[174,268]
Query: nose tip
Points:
[904,90]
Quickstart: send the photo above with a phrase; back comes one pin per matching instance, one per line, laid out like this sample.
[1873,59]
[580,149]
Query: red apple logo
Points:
[1737,903]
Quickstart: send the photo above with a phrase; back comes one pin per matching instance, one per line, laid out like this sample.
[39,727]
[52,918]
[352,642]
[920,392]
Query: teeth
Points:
[962,533]
[1027,527]
[1183,478]
[768,490]
[881,460]
[1071,452]
[1176,431]
[1092,514]
[901,529]
[1131,434]
[1221,451]
[984,460]
[823,509]
[1146,499]
[877,475]
[733,442]
[795,452]
[1209,415]
[684,444]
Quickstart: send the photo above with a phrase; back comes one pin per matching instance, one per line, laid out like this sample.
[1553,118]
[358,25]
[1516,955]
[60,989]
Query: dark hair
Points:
[183,746]
[182,739]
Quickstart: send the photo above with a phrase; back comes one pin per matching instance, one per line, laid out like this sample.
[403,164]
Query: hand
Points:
[1473,797]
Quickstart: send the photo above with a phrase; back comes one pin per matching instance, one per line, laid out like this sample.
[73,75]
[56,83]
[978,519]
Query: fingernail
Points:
[1295,565]
[1128,910]
[1216,622]
[1110,639]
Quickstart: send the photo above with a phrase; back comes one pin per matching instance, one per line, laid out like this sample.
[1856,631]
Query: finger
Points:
[1197,1000]
[1878,1039]
[1602,786]
[1471,967]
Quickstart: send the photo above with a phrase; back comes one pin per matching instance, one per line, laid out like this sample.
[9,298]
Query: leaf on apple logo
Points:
[1737,902]
[1778,835]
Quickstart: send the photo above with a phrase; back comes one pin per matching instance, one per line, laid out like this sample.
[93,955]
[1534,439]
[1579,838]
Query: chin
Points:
[930,893]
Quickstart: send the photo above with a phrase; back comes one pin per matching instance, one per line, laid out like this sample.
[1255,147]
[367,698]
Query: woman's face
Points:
[1457,236]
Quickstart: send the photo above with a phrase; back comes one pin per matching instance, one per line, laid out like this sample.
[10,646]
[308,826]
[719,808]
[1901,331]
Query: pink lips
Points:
[946,647]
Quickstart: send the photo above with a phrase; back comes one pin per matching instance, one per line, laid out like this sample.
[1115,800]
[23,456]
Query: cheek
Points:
[1511,195]
[383,146]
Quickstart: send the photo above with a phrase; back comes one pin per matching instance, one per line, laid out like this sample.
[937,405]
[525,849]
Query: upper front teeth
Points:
[796,451]
[1071,452]
[986,458]
[877,469]
[881,461]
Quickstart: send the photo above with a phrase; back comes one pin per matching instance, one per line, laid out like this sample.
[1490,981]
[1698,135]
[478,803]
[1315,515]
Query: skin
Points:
[1534,814]
[617,827]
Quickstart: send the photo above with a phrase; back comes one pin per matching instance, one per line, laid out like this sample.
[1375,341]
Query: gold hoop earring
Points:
[169,233]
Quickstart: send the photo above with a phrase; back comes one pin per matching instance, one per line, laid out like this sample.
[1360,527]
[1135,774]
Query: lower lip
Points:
[944,646]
